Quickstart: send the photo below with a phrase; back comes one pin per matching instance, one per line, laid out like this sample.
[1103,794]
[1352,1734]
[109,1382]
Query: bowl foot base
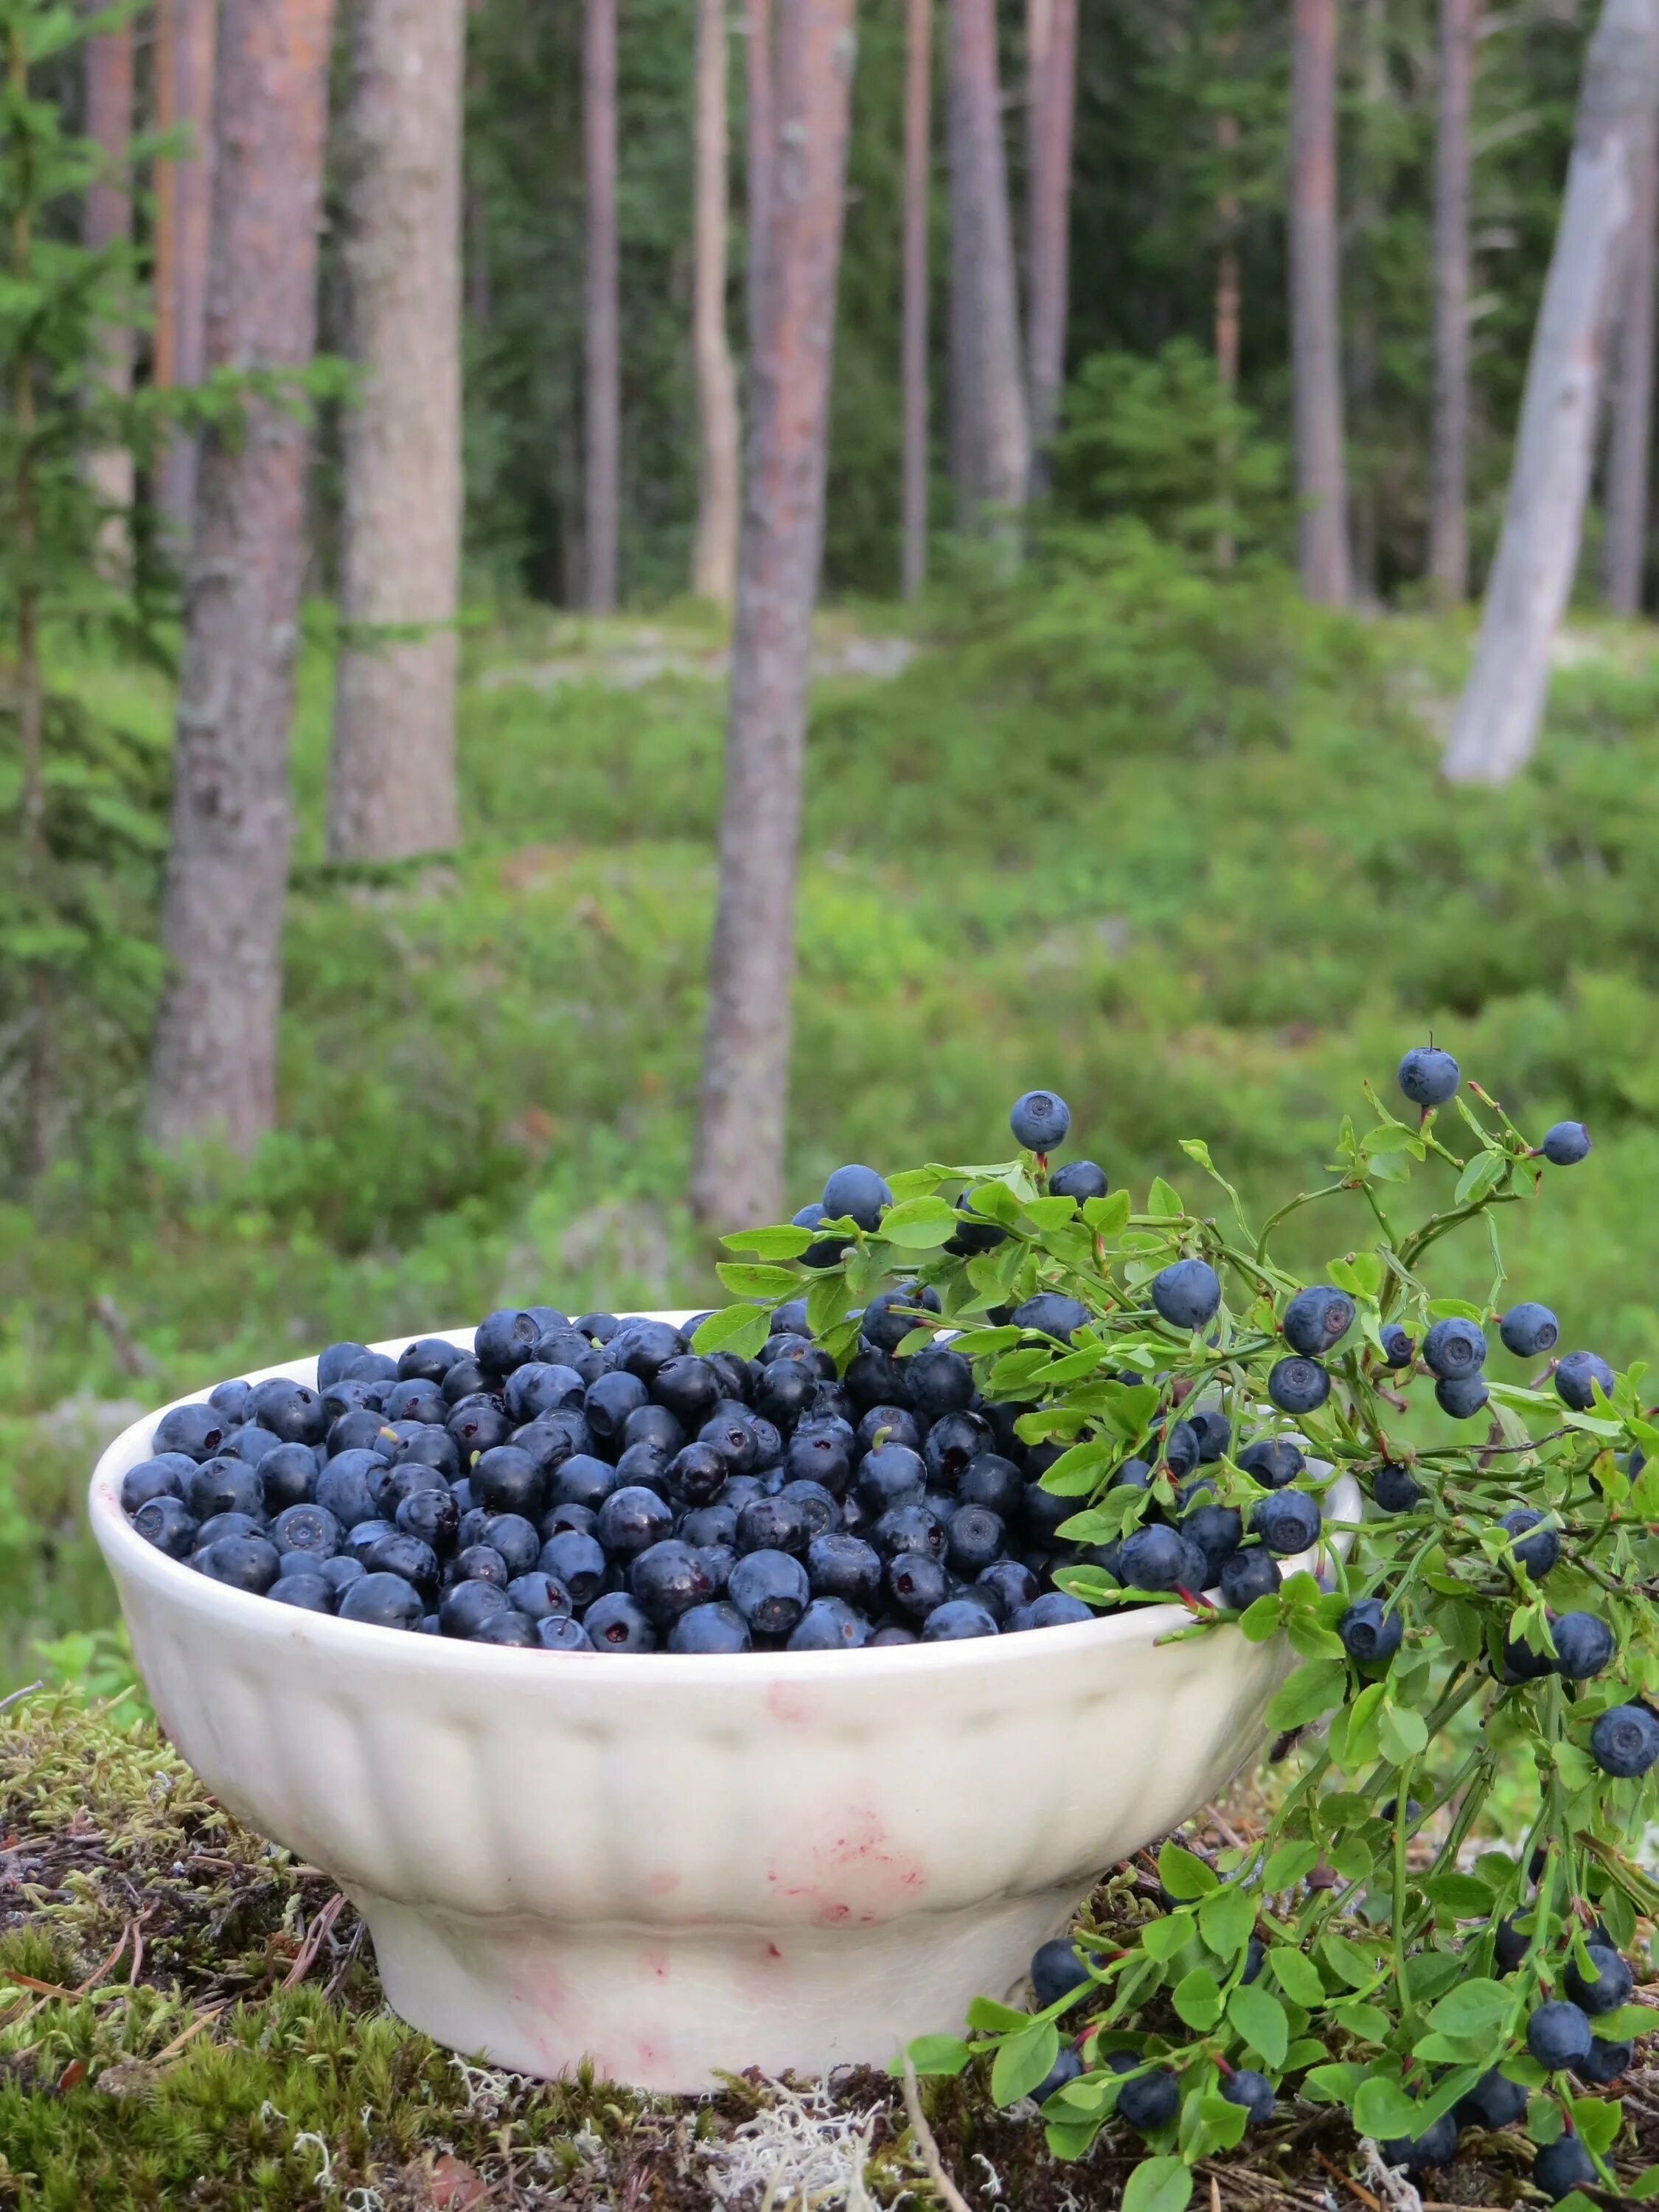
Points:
[662,2009]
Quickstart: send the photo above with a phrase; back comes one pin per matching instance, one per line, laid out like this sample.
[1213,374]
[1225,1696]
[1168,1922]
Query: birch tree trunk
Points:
[760,134]
[392,773]
[186,40]
[1502,703]
[107,222]
[714,558]
[1448,554]
[918,86]
[1052,95]
[603,405]
[1629,463]
[213,1070]
[738,1173]
[1315,325]
[979,180]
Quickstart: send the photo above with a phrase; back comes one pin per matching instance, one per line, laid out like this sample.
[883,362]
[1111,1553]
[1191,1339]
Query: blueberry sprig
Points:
[1187,1402]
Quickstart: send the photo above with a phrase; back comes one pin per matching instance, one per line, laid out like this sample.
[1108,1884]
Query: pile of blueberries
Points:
[595,1485]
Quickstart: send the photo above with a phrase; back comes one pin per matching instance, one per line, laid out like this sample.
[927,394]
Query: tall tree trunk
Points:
[761,136]
[716,558]
[1497,717]
[1227,298]
[107,222]
[979,184]
[214,1068]
[392,773]
[918,166]
[1625,553]
[1052,96]
[967,425]
[187,36]
[603,408]
[1315,325]
[1448,550]
[739,1177]
[1365,346]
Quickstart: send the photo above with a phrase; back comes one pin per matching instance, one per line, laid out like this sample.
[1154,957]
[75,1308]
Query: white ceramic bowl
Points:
[672,1865]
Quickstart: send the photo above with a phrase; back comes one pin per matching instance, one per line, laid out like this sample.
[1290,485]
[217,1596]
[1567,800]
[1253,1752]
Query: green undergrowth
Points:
[1176,848]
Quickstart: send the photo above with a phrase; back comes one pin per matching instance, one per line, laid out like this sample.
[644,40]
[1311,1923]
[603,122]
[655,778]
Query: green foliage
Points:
[1411,2011]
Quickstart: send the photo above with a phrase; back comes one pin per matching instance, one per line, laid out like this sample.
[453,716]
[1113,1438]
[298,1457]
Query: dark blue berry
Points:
[1494,2102]
[668,1580]
[167,1523]
[824,1251]
[1079,1179]
[559,1633]
[916,1582]
[1148,2101]
[430,1514]
[975,1537]
[244,1563]
[1039,1120]
[519,1542]
[1529,1330]
[195,1430]
[1250,1574]
[1558,2034]
[1057,1968]
[773,1524]
[1274,1461]
[1287,1521]
[507,1479]
[1187,1294]
[994,1482]
[1511,1944]
[1577,1378]
[1566,1144]
[730,1431]
[578,1562]
[1218,1531]
[892,1474]
[478,1424]
[225,1486]
[307,1593]
[770,1590]
[167,1476]
[1537,1552]
[231,1400]
[1455,1348]
[617,1622]
[1067,2068]
[1607,1989]
[505,1339]
[941,1382]
[584,1480]
[716,1629]
[1214,1433]
[428,1359]
[467,1604]
[1397,1348]
[857,1194]
[1606,2062]
[1428,1076]
[1369,1634]
[958,1619]
[1298,1385]
[1316,1320]
[1584,1644]
[1562,2167]
[511,1628]
[293,1411]
[914,1528]
[383,1601]
[1052,1314]
[1009,1585]
[1053,1609]
[1435,2146]
[480,1563]
[538,1596]
[1255,2092]
[631,1520]
[1180,1453]
[1462,1396]
[1394,1489]
[830,1624]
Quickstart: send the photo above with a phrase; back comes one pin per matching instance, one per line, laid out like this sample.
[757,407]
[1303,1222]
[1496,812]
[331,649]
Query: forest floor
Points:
[190,2017]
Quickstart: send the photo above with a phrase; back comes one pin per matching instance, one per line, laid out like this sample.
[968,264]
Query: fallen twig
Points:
[925,2144]
[314,1937]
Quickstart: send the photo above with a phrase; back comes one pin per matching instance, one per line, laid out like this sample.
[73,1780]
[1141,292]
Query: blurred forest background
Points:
[1174,412]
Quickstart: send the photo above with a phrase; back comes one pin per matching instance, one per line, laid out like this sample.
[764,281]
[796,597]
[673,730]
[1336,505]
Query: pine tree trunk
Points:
[990,311]
[761,134]
[715,557]
[1625,552]
[918,168]
[603,409]
[392,772]
[1052,95]
[107,222]
[967,408]
[739,1177]
[1449,552]
[185,63]
[1497,717]
[214,1068]
[1227,304]
[1316,329]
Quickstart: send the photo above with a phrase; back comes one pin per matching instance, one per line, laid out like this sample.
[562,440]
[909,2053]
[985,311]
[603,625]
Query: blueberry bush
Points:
[1188,1402]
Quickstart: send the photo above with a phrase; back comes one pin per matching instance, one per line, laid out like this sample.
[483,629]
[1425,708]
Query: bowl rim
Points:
[180,1588]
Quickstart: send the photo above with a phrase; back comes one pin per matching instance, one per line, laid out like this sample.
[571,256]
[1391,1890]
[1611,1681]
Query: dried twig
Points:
[202,2019]
[130,1356]
[1348,2181]
[313,1942]
[28,1691]
[925,2144]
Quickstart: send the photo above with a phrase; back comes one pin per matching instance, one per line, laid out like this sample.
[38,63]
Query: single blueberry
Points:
[1462,1396]
[228,1524]
[916,1582]
[1562,2167]
[431,1515]
[1187,1294]
[1584,1644]
[1521,1663]
[382,1600]
[1578,1377]
[824,1251]
[1494,2102]
[1012,1586]
[1428,1076]
[617,1622]
[478,1424]
[941,1382]
[1435,2146]
[225,1486]
[730,1431]
[577,1562]
[557,1632]
[1050,1313]
[507,1479]
[420,1400]
[167,1476]
[519,1542]
[244,1563]
[785,1391]
[770,1590]
[668,1579]
[974,1537]
[952,1442]
[361,1429]
[821,1511]
[958,1619]
[844,1566]
[231,1400]
[1214,1433]
[1529,1330]
[480,1563]
[1606,2061]
[1566,1144]
[584,1480]
[1398,1348]
[539,1595]
[1298,1385]
[308,1593]
[715,1628]
[428,1359]
[293,1412]
[915,1527]
[307,1528]
[645,1347]
[874,1377]
[1039,1120]
[856,1195]
[1218,1532]
[1147,2102]
[513,1628]
[891,1315]
[1181,1449]
[196,1431]
[1274,1461]
[1394,1489]
[288,1476]
[632,1519]
[505,1339]
[1255,2092]
[542,1386]
[1558,2034]
[830,1624]
[1605,1990]
[1067,2068]
[893,1632]
[892,1474]
[1287,1521]
[399,1553]
[1132,1474]
[994,1482]
[1056,1969]
[821,1456]
[1053,1609]
[1538,1551]
[1455,1348]
[1316,1320]
[773,1524]
[466,1605]
[1152,1558]
[1079,1180]
[339,1572]
[1369,1634]
[432,1446]
[1510,1943]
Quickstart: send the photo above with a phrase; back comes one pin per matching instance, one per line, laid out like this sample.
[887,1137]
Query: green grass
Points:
[1178,850]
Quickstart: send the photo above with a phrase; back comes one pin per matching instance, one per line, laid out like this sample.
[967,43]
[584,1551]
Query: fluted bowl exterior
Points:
[674,1863]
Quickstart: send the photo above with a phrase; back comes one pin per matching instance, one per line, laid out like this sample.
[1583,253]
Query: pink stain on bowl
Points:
[662,1883]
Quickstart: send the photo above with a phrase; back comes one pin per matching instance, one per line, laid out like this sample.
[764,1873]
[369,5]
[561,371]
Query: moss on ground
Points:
[189,2017]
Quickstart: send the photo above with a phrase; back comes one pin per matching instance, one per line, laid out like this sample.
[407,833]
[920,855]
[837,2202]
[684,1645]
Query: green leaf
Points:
[1288,1865]
[1461,1895]
[1352,1858]
[781,1243]
[1598,2120]
[1381,2108]
[748,1280]
[1164,1201]
[1368,2021]
[1183,1876]
[1225,1919]
[919,1223]
[1076,1472]
[1162,1939]
[1481,1174]
[1022,2061]
[1334,2084]
[1544,2121]
[1646,2185]
[1259,2018]
[1260,1618]
[1197,1998]
[1066,2142]
[1402,1733]
[935,2054]
[828,1303]
[1109,1216]
[994,2019]
[1622,2024]
[1305,2050]
[1474,2007]
[1312,1690]
[1297,1975]
[741,1330]
[1358,1968]
[1159,2184]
